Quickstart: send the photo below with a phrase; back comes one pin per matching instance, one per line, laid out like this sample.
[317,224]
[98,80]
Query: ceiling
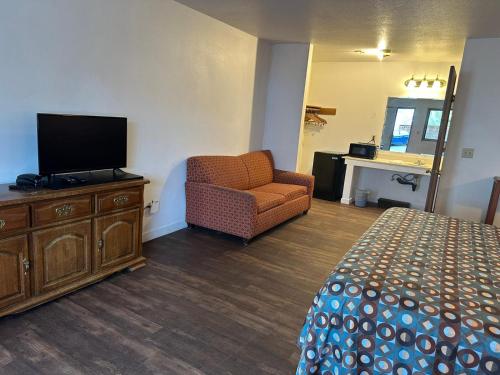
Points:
[415,30]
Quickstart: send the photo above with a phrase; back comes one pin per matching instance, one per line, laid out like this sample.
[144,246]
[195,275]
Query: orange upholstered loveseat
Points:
[243,195]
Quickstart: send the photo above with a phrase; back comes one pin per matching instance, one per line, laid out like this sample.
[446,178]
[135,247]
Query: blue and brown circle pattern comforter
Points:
[417,294]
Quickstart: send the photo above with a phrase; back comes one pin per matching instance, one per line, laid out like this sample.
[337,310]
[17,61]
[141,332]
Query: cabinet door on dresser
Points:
[62,255]
[14,278]
[116,239]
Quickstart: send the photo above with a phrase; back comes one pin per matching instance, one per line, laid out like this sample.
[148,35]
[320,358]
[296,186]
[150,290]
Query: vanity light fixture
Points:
[411,83]
[425,83]
[436,85]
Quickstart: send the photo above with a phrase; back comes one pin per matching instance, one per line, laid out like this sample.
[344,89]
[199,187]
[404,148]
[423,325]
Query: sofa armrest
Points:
[285,177]
[216,207]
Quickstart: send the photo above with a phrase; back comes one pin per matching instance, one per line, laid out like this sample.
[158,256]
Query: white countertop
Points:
[405,163]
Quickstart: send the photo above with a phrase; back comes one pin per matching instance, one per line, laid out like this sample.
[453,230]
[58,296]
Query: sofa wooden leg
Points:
[305,212]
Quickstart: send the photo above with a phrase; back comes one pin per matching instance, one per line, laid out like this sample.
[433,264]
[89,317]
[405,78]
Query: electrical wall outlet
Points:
[467,153]
[155,207]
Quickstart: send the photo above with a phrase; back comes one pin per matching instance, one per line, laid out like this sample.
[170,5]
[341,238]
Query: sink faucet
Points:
[419,162]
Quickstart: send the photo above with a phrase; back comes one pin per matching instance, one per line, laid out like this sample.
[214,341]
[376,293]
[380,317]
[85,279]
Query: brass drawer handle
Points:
[120,200]
[3,223]
[26,264]
[64,210]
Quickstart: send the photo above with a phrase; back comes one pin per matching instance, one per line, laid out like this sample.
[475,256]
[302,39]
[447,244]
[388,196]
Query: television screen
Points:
[70,143]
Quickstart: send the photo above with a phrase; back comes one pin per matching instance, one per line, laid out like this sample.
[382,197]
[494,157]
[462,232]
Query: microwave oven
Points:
[363,150]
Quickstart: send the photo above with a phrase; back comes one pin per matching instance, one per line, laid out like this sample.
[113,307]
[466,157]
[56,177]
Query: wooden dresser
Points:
[53,242]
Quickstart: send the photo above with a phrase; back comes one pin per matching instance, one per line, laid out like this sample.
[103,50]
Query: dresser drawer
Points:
[71,208]
[13,219]
[119,199]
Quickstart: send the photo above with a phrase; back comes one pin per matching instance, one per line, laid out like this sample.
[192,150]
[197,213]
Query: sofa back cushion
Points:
[228,171]
[260,166]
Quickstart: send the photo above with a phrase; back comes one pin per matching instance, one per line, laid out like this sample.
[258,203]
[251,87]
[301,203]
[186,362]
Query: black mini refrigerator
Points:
[329,173]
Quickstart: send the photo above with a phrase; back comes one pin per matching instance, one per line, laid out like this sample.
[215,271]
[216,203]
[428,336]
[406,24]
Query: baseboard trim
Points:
[346,200]
[163,231]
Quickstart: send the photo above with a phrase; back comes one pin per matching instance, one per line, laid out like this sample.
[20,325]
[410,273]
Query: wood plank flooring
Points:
[203,305]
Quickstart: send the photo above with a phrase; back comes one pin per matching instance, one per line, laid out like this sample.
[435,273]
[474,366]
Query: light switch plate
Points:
[467,153]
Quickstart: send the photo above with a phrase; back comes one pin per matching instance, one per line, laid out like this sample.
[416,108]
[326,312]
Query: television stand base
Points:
[66,181]
[119,172]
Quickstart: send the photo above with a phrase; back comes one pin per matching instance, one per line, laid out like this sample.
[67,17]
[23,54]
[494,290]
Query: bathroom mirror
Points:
[412,125]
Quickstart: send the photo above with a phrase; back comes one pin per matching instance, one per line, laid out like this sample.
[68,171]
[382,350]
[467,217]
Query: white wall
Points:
[285,102]
[359,91]
[466,183]
[184,80]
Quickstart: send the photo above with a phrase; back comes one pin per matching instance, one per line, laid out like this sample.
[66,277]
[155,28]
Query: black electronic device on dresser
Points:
[79,150]
[329,172]
[363,150]
[29,181]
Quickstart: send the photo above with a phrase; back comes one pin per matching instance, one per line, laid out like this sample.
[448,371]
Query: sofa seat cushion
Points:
[288,191]
[266,201]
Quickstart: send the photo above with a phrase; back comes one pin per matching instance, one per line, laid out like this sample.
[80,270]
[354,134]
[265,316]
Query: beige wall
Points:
[186,82]
[466,183]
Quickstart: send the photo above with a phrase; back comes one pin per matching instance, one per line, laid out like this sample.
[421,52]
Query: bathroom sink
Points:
[418,163]
[388,158]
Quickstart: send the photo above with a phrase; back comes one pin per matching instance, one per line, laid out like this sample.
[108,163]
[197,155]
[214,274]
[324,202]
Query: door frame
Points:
[430,203]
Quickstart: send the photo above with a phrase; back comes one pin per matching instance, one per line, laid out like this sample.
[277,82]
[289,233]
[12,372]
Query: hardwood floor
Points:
[203,305]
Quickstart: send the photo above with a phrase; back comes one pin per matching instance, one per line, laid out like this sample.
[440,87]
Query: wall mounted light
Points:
[425,83]
[379,53]
[411,83]
[437,84]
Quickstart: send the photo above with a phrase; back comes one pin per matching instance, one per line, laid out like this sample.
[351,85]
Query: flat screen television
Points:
[74,143]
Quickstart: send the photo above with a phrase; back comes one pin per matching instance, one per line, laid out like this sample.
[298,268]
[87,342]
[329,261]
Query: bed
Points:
[416,294]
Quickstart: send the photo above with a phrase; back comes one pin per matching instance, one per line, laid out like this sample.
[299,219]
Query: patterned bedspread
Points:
[417,294]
